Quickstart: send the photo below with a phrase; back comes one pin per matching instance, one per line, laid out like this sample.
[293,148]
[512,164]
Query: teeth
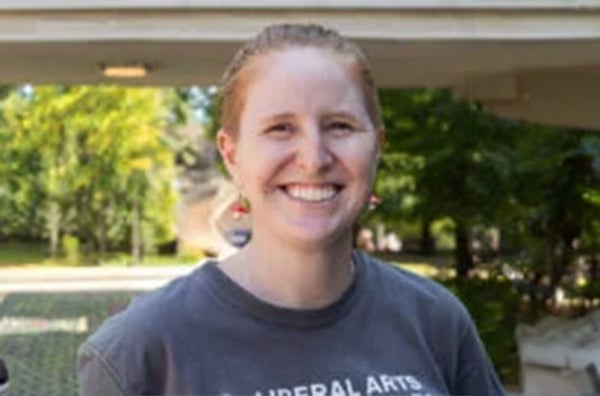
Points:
[312,194]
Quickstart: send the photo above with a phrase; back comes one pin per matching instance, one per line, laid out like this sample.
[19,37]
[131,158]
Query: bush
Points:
[495,307]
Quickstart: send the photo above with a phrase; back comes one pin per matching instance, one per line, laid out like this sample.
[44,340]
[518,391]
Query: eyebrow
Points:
[277,117]
[286,116]
[343,114]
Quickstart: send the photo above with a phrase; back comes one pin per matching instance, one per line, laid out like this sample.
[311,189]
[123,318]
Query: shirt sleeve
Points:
[476,376]
[95,376]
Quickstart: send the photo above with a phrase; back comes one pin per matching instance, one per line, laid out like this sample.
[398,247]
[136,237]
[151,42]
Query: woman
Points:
[296,311]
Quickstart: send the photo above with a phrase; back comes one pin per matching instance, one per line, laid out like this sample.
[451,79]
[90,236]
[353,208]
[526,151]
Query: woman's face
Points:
[306,148]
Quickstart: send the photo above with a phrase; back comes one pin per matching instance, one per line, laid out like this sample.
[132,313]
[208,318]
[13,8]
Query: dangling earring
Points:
[240,208]
[374,201]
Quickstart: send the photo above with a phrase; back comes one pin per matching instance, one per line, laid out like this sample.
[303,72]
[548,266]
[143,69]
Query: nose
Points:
[314,155]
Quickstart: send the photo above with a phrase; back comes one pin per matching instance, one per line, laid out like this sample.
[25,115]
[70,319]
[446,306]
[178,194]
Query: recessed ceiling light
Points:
[133,70]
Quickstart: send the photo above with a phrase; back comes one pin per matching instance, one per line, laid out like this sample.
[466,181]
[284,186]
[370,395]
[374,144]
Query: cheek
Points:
[258,164]
[360,158]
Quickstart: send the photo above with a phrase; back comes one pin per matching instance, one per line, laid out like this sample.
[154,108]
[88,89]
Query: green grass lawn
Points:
[16,253]
[33,254]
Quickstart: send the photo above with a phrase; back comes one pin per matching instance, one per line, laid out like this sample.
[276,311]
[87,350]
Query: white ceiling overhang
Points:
[531,59]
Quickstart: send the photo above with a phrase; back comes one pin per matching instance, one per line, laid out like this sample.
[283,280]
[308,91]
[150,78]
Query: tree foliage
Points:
[458,158]
[86,162]
[447,158]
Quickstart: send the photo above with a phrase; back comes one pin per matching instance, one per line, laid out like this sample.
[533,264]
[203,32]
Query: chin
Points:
[319,239]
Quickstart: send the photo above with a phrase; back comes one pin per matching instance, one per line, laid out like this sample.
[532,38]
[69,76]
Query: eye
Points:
[280,129]
[340,127]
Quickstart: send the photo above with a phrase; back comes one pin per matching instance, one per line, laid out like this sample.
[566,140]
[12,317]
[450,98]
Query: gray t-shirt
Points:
[390,333]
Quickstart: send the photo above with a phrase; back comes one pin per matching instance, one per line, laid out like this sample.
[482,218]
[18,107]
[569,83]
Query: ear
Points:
[227,146]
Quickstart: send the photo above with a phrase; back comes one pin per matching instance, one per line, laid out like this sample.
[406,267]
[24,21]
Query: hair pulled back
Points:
[284,36]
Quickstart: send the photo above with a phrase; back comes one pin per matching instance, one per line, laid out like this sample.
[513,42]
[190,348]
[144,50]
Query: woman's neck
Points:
[292,278]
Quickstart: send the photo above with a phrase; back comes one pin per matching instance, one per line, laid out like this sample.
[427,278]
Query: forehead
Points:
[301,79]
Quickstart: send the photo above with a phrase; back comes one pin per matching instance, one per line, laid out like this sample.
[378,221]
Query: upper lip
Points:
[313,184]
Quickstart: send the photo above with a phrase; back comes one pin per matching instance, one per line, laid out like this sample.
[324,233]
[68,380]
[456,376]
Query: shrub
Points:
[495,308]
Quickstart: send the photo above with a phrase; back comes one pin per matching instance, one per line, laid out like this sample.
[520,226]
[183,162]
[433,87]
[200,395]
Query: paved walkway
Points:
[78,279]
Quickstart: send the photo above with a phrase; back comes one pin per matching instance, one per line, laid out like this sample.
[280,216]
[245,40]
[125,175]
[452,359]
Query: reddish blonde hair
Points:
[284,36]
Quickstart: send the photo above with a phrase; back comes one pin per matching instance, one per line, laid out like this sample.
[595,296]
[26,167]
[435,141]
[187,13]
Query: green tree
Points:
[457,158]
[556,176]
[90,162]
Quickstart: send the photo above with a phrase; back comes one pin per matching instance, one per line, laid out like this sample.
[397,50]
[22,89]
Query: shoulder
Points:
[428,309]
[428,302]
[132,342]
[166,303]
[161,309]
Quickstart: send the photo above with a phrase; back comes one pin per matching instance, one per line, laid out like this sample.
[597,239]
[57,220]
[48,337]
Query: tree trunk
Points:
[102,236]
[53,223]
[136,234]
[561,263]
[380,236]
[426,245]
[462,252]
[594,267]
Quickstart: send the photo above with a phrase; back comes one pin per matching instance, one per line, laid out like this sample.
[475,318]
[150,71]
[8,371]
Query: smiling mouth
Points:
[311,193]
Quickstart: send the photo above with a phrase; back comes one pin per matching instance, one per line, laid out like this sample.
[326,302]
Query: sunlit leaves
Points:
[90,151]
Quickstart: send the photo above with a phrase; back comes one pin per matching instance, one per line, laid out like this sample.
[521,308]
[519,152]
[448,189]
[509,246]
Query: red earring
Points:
[240,208]
[374,201]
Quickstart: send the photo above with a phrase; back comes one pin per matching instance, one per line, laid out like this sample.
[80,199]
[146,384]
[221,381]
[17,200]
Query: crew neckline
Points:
[227,291]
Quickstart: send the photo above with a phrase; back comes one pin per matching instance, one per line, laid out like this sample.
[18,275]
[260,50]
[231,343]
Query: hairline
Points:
[244,77]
